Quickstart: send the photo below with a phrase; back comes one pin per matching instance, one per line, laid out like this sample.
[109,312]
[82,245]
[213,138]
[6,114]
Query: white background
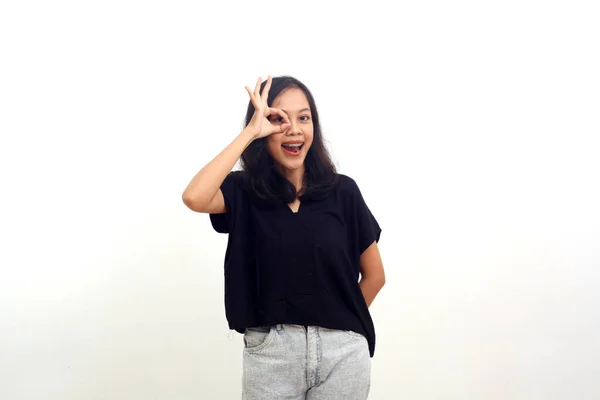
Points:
[471,127]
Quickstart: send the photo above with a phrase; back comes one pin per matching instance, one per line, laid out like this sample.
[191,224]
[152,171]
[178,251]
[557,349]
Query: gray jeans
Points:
[293,362]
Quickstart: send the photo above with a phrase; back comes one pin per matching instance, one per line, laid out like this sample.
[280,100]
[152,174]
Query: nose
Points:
[294,128]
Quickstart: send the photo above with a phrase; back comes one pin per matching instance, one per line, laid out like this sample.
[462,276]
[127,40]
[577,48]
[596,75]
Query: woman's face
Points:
[289,148]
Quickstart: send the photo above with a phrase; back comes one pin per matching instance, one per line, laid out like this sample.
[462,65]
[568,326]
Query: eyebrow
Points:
[304,109]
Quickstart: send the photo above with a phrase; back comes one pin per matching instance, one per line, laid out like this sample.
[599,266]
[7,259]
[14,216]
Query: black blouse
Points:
[298,268]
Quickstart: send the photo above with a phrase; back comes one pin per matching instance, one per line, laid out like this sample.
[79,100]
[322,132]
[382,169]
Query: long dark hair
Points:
[263,179]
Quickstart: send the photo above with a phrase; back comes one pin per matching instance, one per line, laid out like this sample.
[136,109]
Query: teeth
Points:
[294,145]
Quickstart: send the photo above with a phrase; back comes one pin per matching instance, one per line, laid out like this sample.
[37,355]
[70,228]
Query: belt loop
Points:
[279,327]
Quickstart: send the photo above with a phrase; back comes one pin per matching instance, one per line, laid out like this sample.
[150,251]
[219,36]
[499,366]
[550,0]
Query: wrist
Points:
[249,134]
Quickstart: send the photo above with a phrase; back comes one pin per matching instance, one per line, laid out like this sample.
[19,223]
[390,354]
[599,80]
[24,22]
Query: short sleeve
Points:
[231,187]
[368,229]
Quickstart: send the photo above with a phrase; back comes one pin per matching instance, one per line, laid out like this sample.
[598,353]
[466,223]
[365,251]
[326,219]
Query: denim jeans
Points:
[310,363]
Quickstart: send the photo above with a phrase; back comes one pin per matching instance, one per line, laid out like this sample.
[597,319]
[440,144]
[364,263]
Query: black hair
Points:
[262,177]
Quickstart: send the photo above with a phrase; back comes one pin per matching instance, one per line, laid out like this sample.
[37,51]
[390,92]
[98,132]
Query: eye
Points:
[305,118]
[276,120]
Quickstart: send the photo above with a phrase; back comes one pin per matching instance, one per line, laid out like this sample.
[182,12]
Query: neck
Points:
[296,176]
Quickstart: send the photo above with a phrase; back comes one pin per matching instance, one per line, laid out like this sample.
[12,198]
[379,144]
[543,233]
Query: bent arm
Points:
[372,273]
[203,193]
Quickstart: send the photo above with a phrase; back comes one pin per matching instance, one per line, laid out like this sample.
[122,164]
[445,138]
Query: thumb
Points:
[284,127]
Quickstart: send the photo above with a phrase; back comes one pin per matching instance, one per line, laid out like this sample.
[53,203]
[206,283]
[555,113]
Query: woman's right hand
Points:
[260,124]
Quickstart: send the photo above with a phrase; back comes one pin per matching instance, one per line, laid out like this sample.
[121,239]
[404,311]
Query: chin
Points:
[292,165]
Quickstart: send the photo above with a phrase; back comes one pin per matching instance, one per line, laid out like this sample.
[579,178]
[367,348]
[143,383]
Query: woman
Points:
[299,237]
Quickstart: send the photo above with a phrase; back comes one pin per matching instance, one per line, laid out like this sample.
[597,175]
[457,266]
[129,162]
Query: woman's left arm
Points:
[372,274]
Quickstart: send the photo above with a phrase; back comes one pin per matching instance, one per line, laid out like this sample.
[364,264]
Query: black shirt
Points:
[298,268]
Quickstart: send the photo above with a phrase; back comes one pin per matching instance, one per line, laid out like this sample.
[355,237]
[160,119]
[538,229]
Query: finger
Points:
[277,111]
[284,127]
[257,88]
[265,92]
[252,98]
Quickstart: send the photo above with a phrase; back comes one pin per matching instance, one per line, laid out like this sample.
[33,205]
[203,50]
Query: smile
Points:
[293,148]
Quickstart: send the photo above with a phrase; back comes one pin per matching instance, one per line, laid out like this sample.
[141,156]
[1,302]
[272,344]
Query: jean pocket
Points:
[258,338]
[354,334]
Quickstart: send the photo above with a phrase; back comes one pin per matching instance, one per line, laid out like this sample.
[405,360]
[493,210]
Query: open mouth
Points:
[293,148]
